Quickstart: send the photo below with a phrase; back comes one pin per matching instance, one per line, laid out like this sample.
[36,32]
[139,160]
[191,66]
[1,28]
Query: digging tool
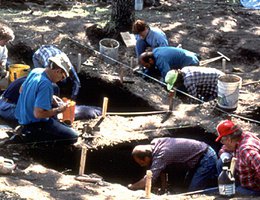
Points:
[204,62]
[197,191]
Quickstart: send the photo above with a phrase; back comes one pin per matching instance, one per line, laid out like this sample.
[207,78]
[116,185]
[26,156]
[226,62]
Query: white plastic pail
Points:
[109,48]
[228,91]
[139,4]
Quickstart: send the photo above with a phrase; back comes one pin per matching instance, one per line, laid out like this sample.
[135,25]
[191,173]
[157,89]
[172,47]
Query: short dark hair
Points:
[142,154]
[146,56]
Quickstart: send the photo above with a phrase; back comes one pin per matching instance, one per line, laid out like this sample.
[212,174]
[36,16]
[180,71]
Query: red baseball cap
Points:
[225,128]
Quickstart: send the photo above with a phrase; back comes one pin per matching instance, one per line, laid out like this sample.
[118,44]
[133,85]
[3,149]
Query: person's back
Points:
[42,55]
[163,154]
[201,82]
[167,58]
[179,151]
[175,57]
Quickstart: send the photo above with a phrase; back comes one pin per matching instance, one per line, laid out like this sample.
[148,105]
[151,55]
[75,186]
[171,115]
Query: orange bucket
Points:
[69,114]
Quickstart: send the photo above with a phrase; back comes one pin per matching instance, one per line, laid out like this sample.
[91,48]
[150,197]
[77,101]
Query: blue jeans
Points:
[7,110]
[206,172]
[51,131]
[239,189]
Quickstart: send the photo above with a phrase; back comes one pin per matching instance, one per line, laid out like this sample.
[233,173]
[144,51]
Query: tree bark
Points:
[122,17]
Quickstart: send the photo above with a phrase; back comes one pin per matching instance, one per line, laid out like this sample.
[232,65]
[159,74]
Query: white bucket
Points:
[228,91]
[139,4]
[109,48]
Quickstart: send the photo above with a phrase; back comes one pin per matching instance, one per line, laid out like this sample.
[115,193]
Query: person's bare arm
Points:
[138,185]
[41,113]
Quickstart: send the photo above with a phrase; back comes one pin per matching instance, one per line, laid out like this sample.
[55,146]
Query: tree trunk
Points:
[122,17]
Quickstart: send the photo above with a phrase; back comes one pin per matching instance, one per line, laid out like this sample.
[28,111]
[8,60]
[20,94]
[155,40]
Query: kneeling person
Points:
[34,107]
[200,82]
[180,152]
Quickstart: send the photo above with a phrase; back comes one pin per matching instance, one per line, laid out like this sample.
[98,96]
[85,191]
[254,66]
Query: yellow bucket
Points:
[18,71]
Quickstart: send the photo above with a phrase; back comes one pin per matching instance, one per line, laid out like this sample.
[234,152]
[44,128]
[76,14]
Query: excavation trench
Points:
[114,163]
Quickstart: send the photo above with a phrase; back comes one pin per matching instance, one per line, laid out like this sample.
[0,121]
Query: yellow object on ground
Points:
[18,71]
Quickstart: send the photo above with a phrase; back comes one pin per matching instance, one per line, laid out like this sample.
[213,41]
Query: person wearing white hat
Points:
[200,82]
[41,60]
[34,109]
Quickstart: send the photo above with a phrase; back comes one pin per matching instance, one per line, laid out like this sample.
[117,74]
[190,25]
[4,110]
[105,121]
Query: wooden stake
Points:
[121,75]
[79,62]
[224,65]
[148,184]
[132,62]
[232,165]
[104,109]
[43,39]
[171,96]
[83,160]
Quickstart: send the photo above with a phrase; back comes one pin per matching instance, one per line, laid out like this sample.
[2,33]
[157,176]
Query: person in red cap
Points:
[245,147]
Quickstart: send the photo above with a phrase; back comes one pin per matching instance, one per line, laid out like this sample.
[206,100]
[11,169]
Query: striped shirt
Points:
[201,82]
[41,59]
[180,152]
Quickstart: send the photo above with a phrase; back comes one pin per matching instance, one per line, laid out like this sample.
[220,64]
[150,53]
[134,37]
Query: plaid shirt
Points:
[41,59]
[178,151]
[201,81]
[248,161]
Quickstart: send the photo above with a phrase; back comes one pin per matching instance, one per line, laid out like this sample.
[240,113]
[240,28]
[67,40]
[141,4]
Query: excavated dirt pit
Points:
[115,164]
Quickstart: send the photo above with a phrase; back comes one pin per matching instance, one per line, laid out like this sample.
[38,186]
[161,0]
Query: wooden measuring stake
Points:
[104,108]
[224,65]
[171,97]
[232,165]
[42,39]
[83,160]
[132,62]
[121,75]
[79,62]
[148,184]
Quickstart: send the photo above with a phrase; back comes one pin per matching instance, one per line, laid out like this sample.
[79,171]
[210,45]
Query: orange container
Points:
[69,114]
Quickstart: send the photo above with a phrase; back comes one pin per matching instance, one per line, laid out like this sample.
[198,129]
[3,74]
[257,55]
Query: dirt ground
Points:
[200,26]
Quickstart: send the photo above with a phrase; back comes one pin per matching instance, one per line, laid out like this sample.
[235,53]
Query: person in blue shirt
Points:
[41,59]
[9,99]
[34,110]
[166,58]
[147,37]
